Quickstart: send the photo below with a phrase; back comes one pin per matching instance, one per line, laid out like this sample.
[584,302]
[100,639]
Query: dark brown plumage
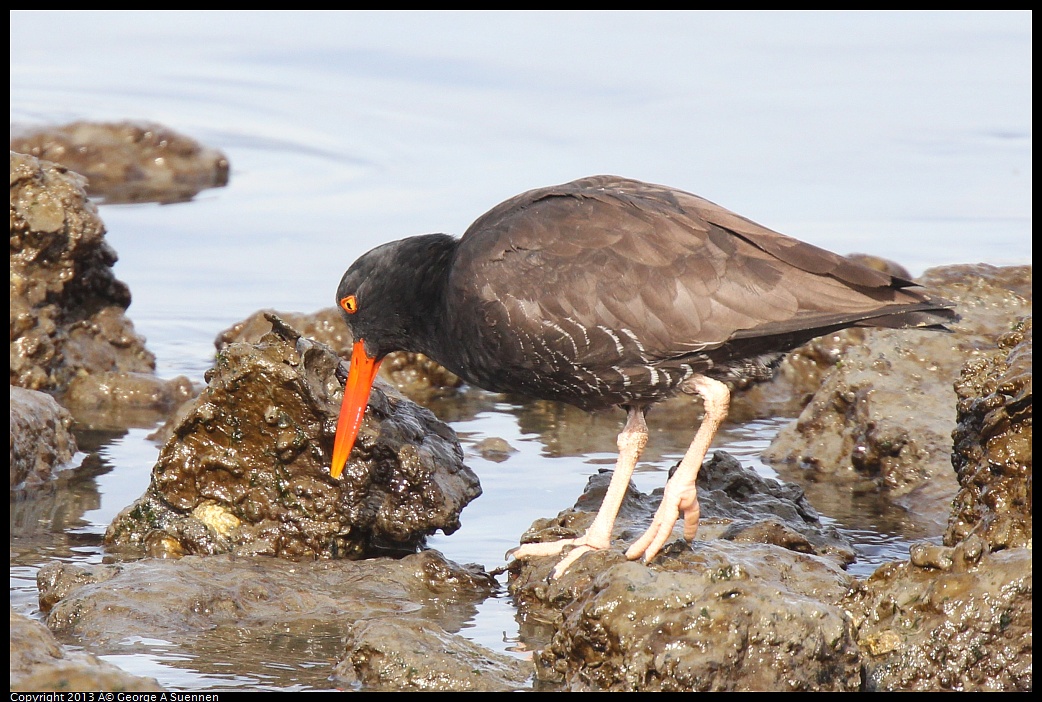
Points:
[608,291]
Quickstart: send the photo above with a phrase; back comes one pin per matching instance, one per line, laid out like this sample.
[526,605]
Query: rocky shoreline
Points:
[242,536]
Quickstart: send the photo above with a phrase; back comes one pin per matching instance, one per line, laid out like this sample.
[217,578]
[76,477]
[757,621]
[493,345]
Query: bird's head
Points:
[366,305]
[385,298]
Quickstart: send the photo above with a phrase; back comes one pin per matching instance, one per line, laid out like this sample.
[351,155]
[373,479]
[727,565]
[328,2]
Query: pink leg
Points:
[632,440]
[680,494]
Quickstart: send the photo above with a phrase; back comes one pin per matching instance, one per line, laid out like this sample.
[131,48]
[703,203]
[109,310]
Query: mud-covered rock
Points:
[948,619]
[66,304]
[993,446]
[40,437]
[324,326]
[128,161]
[247,467]
[715,616]
[393,614]
[40,664]
[882,418]
[751,604]
[882,415]
[69,333]
[413,374]
[107,394]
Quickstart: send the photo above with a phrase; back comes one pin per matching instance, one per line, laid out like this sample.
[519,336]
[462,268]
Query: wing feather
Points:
[605,272]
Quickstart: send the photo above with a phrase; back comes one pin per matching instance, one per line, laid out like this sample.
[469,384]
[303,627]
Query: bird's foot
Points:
[580,546]
[674,502]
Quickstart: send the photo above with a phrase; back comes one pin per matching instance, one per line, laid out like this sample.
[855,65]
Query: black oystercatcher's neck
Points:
[400,291]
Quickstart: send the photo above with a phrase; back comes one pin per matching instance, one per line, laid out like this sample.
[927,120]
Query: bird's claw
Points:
[553,548]
[539,549]
[651,542]
[568,560]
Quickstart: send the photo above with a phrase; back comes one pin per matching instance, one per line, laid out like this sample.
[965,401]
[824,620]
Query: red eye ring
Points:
[349,304]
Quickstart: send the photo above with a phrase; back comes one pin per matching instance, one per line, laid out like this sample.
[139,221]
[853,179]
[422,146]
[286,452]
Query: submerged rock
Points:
[40,664]
[128,161]
[392,624]
[408,654]
[247,467]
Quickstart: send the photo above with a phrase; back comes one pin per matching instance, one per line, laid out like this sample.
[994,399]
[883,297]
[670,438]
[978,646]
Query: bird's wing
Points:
[606,270]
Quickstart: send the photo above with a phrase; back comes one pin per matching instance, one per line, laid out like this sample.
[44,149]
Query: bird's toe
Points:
[538,550]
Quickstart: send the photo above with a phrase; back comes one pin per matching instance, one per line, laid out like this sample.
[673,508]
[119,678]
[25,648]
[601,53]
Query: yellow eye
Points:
[349,304]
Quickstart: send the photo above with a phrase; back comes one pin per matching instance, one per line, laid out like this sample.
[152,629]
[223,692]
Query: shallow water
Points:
[906,135]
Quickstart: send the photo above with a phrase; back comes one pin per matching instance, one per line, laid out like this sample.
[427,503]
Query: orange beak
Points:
[356,397]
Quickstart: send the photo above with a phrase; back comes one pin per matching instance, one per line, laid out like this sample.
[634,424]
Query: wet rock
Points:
[948,619]
[993,446]
[324,326]
[128,161]
[63,293]
[409,655]
[67,307]
[798,377]
[40,437]
[56,582]
[412,374]
[40,664]
[118,399]
[751,604]
[125,399]
[228,608]
[990,295]
[715,616]
[881,417]
[247,467]
[759,510]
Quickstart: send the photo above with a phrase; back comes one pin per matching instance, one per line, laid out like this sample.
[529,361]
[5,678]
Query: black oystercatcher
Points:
[607,291]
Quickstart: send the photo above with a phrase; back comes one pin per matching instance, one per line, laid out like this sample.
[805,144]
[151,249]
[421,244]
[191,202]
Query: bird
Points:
[610,292]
